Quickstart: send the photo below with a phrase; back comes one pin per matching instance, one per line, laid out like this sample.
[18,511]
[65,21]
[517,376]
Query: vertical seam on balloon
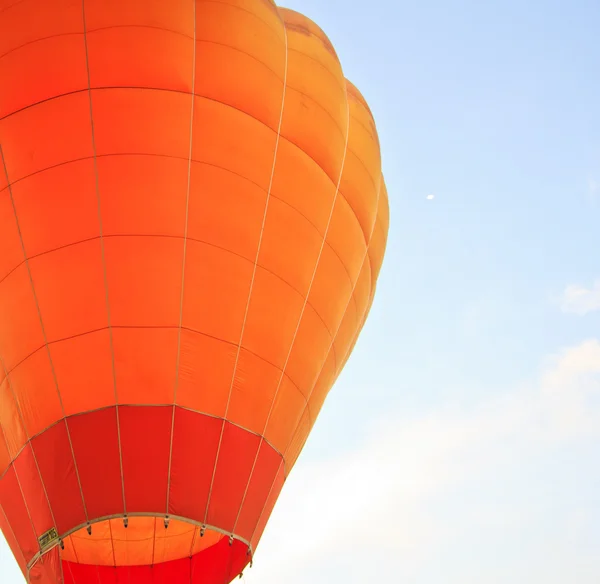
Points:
[362,321]
[164,547]
[252,280]
[20,486]
[113,547]
[193,541]
[71,572]
[227,579]
[281,465]
[153,542]
[33,530]
[103,255]
[365,314]
[75,550]
[44,335]
[126,556]
[14,536]
[185,241]
[312,280]
[334,337]
[62,570]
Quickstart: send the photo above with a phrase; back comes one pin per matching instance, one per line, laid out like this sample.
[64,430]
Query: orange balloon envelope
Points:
[192,223]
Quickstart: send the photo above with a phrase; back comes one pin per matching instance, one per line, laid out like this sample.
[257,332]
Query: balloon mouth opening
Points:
[141,548]
[139,541]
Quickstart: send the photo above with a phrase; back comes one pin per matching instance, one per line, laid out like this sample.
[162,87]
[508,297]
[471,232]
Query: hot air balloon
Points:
[192,223]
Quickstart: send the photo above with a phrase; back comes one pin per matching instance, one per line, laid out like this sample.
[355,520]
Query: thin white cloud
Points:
[579,300]
[429,496]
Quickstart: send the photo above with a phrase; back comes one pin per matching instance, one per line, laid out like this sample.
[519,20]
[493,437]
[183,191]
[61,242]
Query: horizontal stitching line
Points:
[12,5]
[204,1]
[317,62]
[327,112]
[212,166]
[179,33]
[148,327]
[166,90]
[243,10]
[162,236]
[129,405]
[179,91]
[205,41]
[183,93]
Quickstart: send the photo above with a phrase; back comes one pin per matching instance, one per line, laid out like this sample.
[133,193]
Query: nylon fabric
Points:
[123,384]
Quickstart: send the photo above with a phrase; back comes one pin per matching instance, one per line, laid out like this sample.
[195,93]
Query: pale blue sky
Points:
[462,442]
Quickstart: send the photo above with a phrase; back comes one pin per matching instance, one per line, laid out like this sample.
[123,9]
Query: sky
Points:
[461,444]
